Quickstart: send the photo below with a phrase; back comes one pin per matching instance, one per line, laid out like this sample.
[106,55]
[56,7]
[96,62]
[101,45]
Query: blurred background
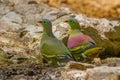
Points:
[109,9]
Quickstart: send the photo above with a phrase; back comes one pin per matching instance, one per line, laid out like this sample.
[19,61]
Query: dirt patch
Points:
[23,70]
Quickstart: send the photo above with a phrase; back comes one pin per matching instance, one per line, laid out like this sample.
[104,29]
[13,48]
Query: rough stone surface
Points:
[104,73]
[20,35]
[21,22]
[97,73]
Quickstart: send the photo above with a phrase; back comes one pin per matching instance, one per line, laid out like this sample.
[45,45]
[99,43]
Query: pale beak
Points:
[65,20]
[39,21]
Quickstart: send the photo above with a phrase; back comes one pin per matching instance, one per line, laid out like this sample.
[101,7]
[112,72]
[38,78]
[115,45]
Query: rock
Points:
[3,9]
[7,25]
[29,12]
[20,71]
[19,77]
[104,73]
[111,62]
[78,65]
[13,17]
[96,73]
[97,61]
[14,23]
[74,75]
[52,15]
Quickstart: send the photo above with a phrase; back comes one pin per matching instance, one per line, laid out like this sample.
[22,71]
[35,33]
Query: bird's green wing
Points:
[78,49]
[52,47]
[93,52]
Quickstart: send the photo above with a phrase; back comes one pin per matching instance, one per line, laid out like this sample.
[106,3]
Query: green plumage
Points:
[53,50]
[91,53]
[81,46]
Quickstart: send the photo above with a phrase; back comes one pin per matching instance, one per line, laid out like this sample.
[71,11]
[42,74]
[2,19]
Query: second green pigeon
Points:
[78,42]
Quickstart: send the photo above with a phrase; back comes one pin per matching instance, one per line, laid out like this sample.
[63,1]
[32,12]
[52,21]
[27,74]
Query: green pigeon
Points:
[78,42]
[52,49]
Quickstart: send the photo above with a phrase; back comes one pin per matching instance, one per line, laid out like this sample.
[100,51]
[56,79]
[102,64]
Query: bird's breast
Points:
[77,40]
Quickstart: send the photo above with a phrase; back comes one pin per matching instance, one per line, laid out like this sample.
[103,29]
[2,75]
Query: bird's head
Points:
[74,24]
[46,24]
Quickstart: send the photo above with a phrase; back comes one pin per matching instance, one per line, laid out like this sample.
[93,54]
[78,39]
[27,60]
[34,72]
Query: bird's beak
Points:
[65,20]
[39,21]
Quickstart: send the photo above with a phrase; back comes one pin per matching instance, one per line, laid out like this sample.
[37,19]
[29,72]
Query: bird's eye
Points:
[71,21]
[44,21]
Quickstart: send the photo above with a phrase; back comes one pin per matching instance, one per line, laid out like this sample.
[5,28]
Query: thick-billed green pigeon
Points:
[52,49]
[78,42]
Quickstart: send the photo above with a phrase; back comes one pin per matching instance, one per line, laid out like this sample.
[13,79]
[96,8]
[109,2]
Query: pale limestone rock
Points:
[13,17]
[3,9]
[74,75]
[8,26]
[51,15]
[104,73]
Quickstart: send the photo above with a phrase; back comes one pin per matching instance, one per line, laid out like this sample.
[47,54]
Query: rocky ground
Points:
[20,35]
